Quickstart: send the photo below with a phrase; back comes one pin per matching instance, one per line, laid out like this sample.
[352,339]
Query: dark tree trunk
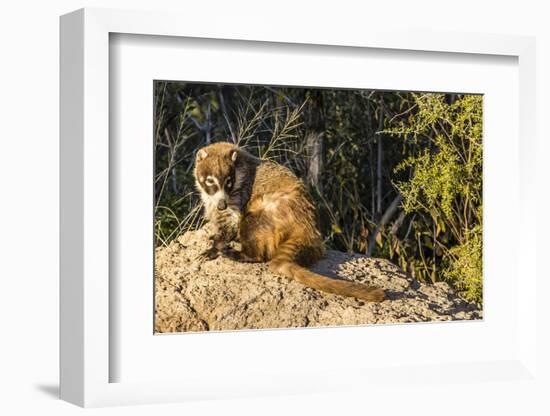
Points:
[370,145]
[379,161]
[222,92]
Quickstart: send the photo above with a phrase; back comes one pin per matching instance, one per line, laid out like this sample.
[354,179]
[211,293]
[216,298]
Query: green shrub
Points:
[465,266]
[444,187]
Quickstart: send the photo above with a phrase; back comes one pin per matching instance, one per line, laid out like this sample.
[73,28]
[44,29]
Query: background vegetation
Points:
[394,174]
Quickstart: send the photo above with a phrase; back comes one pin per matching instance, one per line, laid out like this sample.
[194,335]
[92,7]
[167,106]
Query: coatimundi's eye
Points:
[209,181]
[228,183]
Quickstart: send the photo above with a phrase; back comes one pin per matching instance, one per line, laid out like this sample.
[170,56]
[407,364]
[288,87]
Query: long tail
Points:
[283,266]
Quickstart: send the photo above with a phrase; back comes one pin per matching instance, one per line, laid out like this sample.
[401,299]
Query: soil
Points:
[222,294]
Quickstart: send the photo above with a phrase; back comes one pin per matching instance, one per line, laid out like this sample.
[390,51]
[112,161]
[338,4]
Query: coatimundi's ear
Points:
[201,154]
[234,155]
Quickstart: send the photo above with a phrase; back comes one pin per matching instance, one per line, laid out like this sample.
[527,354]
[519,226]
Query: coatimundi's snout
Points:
[222,204]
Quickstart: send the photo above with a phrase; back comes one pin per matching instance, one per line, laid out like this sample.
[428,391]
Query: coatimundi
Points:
[267,209]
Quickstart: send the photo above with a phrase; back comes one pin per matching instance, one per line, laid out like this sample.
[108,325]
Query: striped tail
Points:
[281,264]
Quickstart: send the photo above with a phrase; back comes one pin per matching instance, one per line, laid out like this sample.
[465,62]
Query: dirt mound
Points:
[225,295]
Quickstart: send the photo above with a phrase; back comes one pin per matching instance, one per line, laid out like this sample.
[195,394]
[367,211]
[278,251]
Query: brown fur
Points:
[271,214]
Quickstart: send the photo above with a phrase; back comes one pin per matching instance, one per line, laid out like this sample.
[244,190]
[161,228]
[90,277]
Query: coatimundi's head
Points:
[215,175]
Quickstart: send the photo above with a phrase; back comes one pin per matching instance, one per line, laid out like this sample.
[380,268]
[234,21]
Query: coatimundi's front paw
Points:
[233,254]
[210,254]
[238,255]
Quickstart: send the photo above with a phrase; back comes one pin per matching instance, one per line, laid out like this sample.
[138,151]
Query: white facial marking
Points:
[211,201]
[211,180]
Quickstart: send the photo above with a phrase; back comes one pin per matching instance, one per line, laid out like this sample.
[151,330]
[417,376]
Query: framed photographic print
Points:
[237,208]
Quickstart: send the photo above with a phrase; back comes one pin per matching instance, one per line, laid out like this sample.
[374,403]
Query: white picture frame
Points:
[85,355]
